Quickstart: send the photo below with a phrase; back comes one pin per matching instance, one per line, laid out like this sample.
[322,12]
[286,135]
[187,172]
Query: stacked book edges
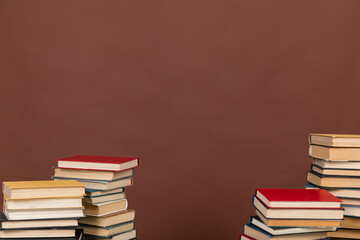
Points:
[42,210]
[293,214]
[105,203]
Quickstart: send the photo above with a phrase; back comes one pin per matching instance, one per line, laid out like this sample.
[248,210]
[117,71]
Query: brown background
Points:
[215,97]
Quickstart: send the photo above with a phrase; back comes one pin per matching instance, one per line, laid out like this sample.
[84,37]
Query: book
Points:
[334,154]
[350,201]
[244,237]
[333,171]
[43,189]
[350,222]
[104,198]
[122,236]
[43,213]
[100,209]
[297,198]
[335,140]
[351,210]
[92,174]
[103,185]
[336,164]
[108,231]
[109,219]
[95,192]
[333,180]
[338,192]
[48,223]
[298,213]
[345,233]
[259,234]
[42,203]
[256,221]
[98,163]
[37,233]
[298,222]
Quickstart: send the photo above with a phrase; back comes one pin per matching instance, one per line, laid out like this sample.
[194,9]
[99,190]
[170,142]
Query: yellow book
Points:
[43,189]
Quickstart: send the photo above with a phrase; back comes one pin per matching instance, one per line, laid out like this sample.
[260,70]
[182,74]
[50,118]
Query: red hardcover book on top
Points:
[86,162]
[297,198]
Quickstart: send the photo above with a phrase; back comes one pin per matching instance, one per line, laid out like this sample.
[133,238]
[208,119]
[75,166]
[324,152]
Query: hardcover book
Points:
[109,219]
[324,223]
[43,189]
[92,174]
[98,163]
[48,223]
[103,185]
[108,231]
[104,208]
[257,233]
[333,181]
[298,213]
[335,140]
[297,198]
[334,154]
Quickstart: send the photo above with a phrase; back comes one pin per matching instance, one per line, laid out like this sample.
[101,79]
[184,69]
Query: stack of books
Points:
[42,209]
[105,203]
[336,168]
[293,214]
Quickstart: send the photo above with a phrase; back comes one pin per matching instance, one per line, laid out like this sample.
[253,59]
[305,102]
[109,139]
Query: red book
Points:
[297,198]
[244,237]
[115,164]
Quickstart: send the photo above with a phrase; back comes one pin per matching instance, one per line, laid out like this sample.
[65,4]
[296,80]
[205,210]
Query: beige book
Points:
[104,208]
[43,189]
[92,174]
[333,182]
[37,233]
[334,153]
[48,223]
[122,236]
[105,232]
[335,140]
[345,233]
[105,198]
[298,222]
[350,222]
[109,219]
[42,203]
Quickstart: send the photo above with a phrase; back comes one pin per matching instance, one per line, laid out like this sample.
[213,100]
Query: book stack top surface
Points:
[105,203]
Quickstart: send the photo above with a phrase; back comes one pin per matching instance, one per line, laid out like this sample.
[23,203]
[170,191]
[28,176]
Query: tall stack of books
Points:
[336,168]
[293,214]
[105,203]
[42,209]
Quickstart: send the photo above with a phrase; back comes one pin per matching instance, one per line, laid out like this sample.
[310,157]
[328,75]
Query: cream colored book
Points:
[335,140]
[109,219]
[37,233]
[43,189]
[105,198]
[334,153]
[92,174]
[333,181]
[104,185]
[42,203]
[104,208]
[35,214]
[109,231]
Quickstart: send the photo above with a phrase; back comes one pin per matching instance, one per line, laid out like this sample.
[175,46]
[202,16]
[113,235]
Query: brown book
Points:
[109,219]
[100,209]
[350,222]
[334,153]
[335,140]
[345,233]
[110,231]
[333,181]
[122,236]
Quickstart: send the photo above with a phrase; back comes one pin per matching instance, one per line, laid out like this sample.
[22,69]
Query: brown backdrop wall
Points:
[215,97]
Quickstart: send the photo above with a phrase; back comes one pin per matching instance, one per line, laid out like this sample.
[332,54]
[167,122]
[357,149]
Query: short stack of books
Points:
[336,168]
[42,209]
[293,214]
[105,178]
